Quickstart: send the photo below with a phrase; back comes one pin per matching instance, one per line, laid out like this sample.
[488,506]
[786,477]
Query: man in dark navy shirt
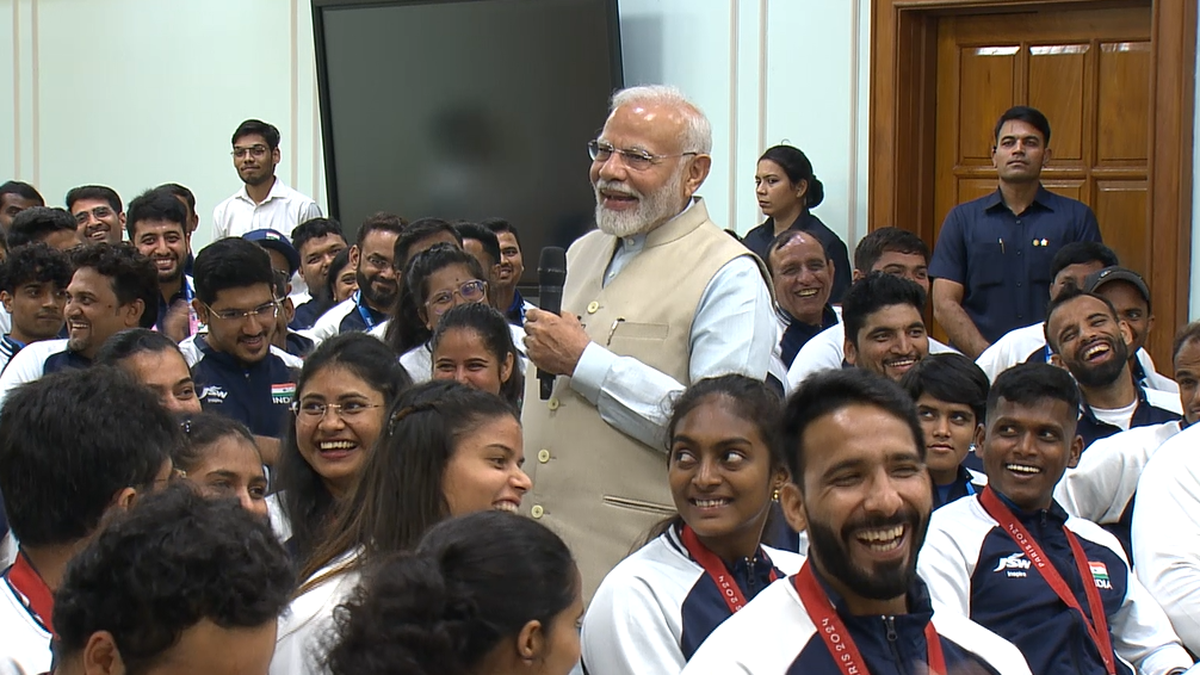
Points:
[238,375]
[991,265]
[318,241]
[1087,338]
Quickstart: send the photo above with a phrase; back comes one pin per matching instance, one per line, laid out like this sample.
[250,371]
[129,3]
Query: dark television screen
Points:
[466,109]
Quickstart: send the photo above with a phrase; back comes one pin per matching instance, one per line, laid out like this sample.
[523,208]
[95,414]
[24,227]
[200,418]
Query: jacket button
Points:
[592,307]
[552,404]
[543,455]
[536,511]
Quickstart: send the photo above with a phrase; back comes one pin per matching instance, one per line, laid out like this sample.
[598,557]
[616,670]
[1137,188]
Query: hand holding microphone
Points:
[554,343]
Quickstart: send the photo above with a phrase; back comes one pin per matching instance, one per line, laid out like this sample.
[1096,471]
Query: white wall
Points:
[765,72]
[133,93]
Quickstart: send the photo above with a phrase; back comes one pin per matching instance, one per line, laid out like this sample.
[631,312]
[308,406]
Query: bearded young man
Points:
[658,297]
[861,490]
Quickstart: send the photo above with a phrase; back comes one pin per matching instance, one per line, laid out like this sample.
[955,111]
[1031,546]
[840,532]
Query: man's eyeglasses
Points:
[471,291]
[268,310]
[638,160]
[257,151]
[311,411]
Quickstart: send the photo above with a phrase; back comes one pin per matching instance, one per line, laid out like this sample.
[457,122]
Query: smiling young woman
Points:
[725,466]
[445,450]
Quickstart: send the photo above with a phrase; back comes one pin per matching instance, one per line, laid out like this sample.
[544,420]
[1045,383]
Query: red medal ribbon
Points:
[37,595]
[717,571]
[837,638]
[1098,625]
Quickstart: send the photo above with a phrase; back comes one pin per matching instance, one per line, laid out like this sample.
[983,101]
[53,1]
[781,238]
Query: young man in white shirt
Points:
[73,447]
[264,202]
[1102,488]
[1087,338]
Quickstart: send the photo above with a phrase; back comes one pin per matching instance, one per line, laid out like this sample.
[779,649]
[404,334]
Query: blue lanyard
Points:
[362,310]
[970,488]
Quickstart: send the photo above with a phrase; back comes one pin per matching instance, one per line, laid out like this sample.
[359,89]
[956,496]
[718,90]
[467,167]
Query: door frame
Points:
[903,132]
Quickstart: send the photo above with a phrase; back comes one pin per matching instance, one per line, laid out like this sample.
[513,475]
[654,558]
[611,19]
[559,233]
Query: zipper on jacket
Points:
[750,578]
[889,622]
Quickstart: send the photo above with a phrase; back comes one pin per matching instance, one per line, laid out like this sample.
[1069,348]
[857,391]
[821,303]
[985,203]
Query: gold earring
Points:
[775,495]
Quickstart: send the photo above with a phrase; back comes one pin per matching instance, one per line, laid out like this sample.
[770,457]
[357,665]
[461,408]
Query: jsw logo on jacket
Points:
[973,567]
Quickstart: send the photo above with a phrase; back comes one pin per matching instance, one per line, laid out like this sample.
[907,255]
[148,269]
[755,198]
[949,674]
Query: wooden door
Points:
[1090,72]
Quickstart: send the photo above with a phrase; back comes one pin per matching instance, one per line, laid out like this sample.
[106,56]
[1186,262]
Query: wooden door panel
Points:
[1075,189]
[1057,79]
[1120,206]
[987,74]
[1124,105]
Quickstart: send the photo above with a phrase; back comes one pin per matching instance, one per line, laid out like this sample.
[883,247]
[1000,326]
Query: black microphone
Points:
[552,274]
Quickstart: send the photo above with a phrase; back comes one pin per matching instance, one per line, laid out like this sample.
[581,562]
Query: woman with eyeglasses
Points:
[342,394]
[218,455]
[787,189]
[447,450]
[438,279]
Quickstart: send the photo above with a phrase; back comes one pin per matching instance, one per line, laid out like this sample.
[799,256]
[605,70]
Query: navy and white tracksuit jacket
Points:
[775,635]
[257,394]
[655,608]
[974,567]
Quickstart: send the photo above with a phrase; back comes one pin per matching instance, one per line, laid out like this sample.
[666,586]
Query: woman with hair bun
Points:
[484,593]
[787,191]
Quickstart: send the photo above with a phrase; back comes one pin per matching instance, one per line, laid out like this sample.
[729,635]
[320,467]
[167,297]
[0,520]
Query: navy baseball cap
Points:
[276,241]
[1095,280]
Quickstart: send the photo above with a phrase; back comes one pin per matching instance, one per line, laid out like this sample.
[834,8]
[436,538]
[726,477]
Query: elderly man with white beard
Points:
[655,299]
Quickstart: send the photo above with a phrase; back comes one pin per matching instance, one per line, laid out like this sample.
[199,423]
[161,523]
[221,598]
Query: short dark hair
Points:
[200,431]
[156,204]
[306,501]
[798,168]
[1081,253]
[874,292]
[887,240]
[1065,296]
[131,342]
[133,275]
[499,226]
[507,569]
[101,192]
[178,190]
[486,238]
[315,228]
[1023,113]
[495,334]
[827,392]
[35,263]
[231,262]
[399,495]
[250,127]
[37,223]
[1029,384]
[69,442]
[173,561]
[382,221]
[786,238]
[1185,335]
[949,377]
[22,190]
[417,230]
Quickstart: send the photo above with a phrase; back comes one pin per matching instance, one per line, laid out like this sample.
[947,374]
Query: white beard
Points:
[651,211]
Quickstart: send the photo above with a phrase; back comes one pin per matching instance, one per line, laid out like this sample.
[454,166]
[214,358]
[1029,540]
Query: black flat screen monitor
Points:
[466,109]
